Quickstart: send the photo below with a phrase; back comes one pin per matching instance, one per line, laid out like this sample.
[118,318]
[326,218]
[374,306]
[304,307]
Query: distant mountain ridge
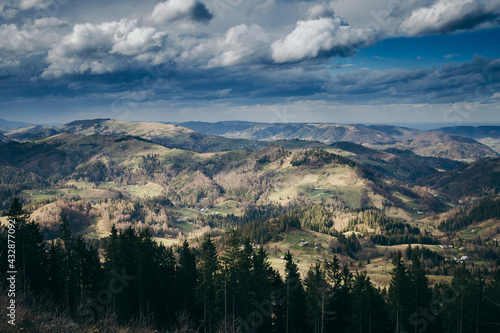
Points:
[7,124]
[434,144]
[238,135]
[323,132]
[475,132]
[488,135]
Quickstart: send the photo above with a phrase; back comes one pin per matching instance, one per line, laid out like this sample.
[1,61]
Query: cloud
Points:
[404,8]
[31,38]
[240,45]
[320,11]
[450,56]
[175,10]
[10,8]
[323,35]
[475,80]
[447,16]
[98,49]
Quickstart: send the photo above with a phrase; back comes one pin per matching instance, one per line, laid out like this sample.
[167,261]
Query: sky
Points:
[343,61]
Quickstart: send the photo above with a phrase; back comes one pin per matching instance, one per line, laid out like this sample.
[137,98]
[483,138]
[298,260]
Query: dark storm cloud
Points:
[200,13]
[449,84]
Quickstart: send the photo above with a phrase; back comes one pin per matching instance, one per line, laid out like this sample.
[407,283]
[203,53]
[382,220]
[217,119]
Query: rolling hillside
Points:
[226,136]
[488,135]
[326,133]
[433,144]
[469,181]
[450,146]
[115,167]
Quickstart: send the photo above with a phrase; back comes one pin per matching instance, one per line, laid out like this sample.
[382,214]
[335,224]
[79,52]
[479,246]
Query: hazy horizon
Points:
[420,126]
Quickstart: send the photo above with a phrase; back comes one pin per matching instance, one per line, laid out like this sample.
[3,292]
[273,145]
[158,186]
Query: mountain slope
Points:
[488,135]
[137,167]
[169,135]
[326,133]
[397,132]
[433,144]
[469,181]
[450,146]
[475,132]
[400,164]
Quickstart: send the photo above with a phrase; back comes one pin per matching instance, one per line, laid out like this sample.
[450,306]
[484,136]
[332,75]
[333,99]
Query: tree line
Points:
[233,287]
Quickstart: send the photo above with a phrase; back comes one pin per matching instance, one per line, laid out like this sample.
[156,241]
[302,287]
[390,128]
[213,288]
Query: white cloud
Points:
[321,37]
[95,49]
[137,41]
[266,5]
[446,16]
[241,44]
[36,4]
[31,38]
[319,11]
[10,8]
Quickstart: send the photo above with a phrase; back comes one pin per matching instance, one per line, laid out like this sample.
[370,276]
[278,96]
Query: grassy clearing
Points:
[318,185]
[184,226]
[150,190]
[306,256]
[379,267]
[95,231]
[167,242]
[81,185]
[228,207]
[487,229]
[44,194]
[187,213]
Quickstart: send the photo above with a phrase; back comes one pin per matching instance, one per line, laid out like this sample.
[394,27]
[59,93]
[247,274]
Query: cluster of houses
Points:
[304,243]
[458,260]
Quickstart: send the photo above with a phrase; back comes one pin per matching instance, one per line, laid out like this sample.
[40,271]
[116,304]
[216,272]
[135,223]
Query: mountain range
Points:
[224,136]
[427,143]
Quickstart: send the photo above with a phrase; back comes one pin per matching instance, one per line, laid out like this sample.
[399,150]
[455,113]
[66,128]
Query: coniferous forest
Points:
[228,285]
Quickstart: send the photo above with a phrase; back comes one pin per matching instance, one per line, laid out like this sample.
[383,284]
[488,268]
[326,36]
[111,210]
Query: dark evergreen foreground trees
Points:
[235,289]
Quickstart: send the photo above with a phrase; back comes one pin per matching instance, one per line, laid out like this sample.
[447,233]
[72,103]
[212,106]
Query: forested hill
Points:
[179,289]
[482,211]
[469,181]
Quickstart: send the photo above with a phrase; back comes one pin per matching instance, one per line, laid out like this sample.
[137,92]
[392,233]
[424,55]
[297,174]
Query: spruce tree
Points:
[316,295]
[208,268]
[56,269]
[399,296]
[263,299]
[420,293]
[185,278]
[167,302]
[295,306]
